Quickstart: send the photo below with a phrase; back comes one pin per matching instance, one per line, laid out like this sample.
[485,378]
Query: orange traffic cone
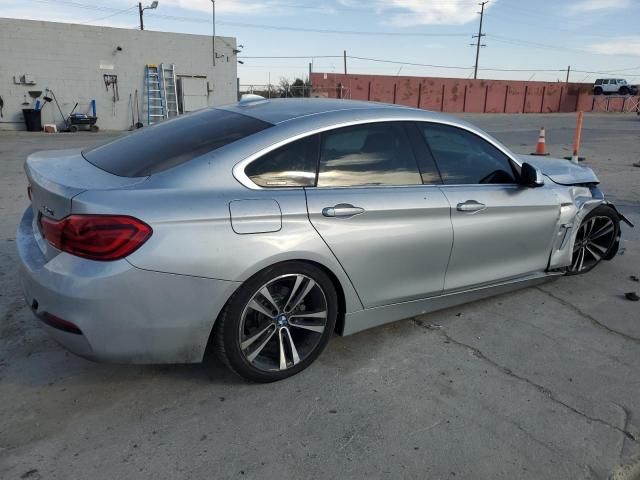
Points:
[540,146]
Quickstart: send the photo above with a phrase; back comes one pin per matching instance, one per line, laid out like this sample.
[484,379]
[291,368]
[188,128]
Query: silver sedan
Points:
[261,228]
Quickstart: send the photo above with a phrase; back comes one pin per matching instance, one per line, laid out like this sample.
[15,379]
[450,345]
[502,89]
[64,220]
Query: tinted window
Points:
[599,81]
[167,144]
[293,165]
[465,158]
[370,154]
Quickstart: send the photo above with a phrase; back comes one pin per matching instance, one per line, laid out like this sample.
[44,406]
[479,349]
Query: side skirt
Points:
[373,317]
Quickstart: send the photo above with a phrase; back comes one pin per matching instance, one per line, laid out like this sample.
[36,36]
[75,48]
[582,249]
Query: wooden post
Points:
[464,100]
[506,96]
[419,94]
[486,95]
[560,101]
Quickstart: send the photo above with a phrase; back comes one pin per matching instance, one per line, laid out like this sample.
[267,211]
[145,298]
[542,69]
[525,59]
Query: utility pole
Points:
[568,71]
[140,11]
[479,37]
[310,84]
[345,61]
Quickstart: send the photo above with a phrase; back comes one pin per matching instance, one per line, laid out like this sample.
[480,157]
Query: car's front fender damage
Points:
[576,202]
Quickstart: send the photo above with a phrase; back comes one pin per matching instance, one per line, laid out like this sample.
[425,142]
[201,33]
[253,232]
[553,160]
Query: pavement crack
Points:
[542,389]
[591,318]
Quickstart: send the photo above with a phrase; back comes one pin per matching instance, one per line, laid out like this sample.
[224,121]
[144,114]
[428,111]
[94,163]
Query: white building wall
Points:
[72,59]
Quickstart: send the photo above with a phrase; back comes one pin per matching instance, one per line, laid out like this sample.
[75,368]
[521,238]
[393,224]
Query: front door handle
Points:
[342,210]
[470,206]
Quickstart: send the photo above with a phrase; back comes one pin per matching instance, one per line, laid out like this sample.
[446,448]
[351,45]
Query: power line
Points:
[312,30]
[110,15]
[294,56]
[498,38]
[415,64]
[396,62]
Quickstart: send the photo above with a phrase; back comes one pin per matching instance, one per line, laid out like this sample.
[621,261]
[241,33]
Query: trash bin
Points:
[32,119]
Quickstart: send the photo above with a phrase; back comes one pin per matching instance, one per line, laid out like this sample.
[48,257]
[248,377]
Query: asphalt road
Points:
[543,383]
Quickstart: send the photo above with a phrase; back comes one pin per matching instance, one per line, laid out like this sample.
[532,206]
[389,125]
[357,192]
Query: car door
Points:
[609,86]
[502,230]
[391,233]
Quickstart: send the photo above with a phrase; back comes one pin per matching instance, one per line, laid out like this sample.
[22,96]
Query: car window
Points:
[369,154]
[171,143]
[426,163]
[293,165]
[599,81]
[605,82]
[465,158]
[622,82]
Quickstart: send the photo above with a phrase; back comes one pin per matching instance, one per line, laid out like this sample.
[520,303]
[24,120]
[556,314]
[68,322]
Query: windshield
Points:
[171,143]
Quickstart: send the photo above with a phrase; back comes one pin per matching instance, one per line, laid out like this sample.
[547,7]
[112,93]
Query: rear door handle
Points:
[470,206]
[342,210]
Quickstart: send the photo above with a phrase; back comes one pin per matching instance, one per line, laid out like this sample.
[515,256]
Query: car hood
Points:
[560,170]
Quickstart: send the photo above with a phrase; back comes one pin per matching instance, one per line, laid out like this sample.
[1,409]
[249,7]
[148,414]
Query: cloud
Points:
[588,6]
[420,12]
[618,46]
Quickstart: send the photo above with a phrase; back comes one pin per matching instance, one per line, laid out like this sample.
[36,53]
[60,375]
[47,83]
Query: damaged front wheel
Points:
[596,239]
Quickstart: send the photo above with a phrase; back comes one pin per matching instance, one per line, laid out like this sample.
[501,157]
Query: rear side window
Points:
[599,81]
[465,158]
[171,143]
[369,154]
[293,165]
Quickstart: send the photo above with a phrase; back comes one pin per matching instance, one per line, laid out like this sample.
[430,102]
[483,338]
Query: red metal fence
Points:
[475,96]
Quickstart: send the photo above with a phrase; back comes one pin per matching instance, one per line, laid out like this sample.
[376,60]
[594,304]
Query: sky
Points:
[534,39]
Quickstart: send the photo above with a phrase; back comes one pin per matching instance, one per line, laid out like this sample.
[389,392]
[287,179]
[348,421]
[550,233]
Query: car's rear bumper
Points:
[125,314]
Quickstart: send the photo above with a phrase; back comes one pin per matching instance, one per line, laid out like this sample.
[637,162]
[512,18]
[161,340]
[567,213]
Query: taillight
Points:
[98,237]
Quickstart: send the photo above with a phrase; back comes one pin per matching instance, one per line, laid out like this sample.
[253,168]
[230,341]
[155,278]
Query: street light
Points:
[141,9]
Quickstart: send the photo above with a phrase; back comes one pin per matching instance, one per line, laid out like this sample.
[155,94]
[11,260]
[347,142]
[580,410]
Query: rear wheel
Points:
[277,323]
[597,91]
[595,239]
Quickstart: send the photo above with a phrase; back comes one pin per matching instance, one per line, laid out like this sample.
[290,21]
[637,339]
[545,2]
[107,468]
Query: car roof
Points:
[281,110]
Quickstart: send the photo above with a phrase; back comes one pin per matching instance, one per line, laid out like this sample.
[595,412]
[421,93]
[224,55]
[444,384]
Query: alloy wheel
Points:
[283,322]
[594,239]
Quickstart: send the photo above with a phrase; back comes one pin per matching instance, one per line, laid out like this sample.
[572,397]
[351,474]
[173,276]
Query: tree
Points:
[299,88]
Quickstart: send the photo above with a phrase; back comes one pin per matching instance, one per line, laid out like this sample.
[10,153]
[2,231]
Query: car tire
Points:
[597,91]
[597,237]
[624,91]
[262,336]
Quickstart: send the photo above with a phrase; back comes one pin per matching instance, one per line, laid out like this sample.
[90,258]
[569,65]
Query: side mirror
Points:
[530,176]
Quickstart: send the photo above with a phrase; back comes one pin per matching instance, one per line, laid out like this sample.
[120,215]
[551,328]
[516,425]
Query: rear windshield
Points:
[165,145]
